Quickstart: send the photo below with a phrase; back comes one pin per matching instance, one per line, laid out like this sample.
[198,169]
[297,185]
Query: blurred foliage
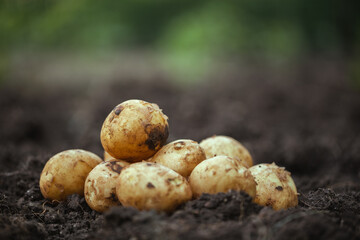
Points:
[188,34]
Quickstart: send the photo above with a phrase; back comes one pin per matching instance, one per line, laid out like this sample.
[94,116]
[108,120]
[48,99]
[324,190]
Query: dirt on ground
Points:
[306,120]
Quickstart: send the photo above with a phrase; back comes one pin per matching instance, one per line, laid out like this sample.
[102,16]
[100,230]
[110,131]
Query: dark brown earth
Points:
[307,120]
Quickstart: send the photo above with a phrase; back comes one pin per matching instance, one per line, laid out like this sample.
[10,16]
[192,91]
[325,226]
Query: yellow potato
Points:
[181,156]
[221,174]
[100,185]
[148,185]
[275,187]
[227,146]
[107,156]
[65,173]
[134,131]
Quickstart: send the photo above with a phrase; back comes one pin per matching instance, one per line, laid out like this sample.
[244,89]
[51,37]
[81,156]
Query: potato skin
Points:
[148,186]
[107,156]
[221,174]
[227,146]
[182,156]
[65,173]
[100,185]
[275,187]
[134,131]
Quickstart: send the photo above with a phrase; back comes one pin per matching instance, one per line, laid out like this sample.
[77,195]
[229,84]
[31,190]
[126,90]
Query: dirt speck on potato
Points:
[114,166]
[156,136]
[179,145]
[118,109]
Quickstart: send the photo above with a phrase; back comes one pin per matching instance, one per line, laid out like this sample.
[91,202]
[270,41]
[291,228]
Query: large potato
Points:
[221,174]
[182,156]
[227,146]
[65,173]
[148,185]
[100,185]
[134,130]
[275,187]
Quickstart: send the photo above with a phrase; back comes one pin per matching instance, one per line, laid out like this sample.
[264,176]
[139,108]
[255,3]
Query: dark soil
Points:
[307,120]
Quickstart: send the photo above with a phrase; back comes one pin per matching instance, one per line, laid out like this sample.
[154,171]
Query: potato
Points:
[134,130]
[107,156]
[65,173]
[275,187]
[148,185]
[100,185]
[221,174]
[181,156]
[227,146]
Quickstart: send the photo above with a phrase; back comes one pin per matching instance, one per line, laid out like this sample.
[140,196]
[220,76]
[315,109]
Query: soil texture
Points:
[307,120]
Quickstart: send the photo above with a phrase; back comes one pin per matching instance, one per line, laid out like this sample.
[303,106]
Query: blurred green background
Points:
[185,39]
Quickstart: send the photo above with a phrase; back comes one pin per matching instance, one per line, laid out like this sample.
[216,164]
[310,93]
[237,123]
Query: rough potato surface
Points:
[65,173]
[134,131]
[275,187]
[100,185]
[227,146]
[148,185]
[182,156]
[221,174]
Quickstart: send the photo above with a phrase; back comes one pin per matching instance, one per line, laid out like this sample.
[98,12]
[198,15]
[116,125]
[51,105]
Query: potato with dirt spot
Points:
[275,187]
[221,174]
[182,156]
[100,185]
[134,131]
[148,185]
[227,146]
[65,173]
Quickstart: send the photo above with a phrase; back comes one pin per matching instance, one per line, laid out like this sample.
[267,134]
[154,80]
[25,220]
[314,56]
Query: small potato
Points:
[275,187]
[148,185]
[100,185]
[221,174]
[65,173]
[134,131]
[227,146]
[181,156]
[107,156]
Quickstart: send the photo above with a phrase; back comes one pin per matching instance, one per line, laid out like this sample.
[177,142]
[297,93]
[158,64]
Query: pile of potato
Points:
[139,170]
